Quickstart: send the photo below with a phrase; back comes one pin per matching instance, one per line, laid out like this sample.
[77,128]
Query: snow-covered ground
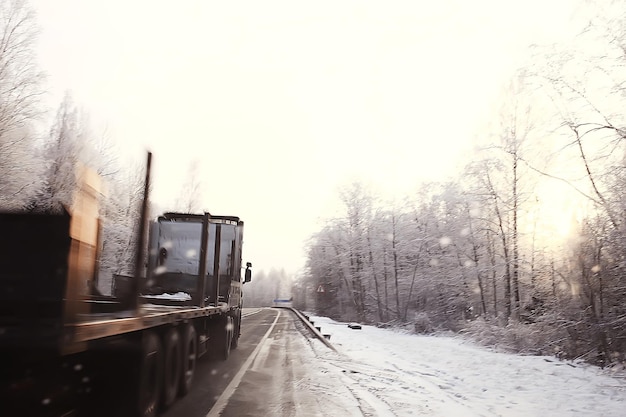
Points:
[400,374]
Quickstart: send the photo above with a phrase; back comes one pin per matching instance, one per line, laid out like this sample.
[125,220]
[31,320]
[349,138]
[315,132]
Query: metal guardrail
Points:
[315,330]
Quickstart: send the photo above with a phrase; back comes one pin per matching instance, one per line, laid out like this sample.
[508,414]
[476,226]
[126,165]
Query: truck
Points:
[66,350]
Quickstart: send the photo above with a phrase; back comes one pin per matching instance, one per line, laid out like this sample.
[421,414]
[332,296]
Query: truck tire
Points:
[236,331]
[190,356]
[151,375]
[222,337]
[172,365]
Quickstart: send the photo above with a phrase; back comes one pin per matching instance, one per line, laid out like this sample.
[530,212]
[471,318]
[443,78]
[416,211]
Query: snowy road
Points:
[274,372]
[280,370]
[286,377]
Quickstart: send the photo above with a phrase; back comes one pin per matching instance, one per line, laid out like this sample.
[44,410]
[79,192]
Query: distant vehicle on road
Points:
[282,302]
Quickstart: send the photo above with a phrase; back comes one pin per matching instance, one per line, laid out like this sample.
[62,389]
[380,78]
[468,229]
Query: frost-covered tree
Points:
[120,213]
[358,202]
[20,88]
[20,168]
[585,81]
[386,263]
[63,150]
[190,198]
[327,276]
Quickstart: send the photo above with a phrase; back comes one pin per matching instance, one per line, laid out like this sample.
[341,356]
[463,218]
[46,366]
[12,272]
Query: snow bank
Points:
[448,376]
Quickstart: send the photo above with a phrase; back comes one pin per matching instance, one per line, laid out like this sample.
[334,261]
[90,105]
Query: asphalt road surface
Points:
[271,373]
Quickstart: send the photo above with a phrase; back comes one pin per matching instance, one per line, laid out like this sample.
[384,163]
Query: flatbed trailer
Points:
[67,351]
[149,316]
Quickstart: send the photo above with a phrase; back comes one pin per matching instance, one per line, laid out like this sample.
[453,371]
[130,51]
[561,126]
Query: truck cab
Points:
[185,247]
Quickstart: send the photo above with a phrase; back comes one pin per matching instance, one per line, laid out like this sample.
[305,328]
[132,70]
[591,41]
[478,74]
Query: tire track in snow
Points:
[384,391]
[434,384]
[386,387]
[370,405]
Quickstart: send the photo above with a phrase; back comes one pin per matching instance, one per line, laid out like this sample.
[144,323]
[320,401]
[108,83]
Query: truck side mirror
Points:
[162,256]
[248,273]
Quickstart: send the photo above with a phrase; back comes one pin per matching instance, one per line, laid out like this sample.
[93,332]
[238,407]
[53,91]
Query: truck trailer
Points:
[66,350]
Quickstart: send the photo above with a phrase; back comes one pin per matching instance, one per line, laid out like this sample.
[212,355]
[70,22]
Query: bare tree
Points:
[20,77]
[190,199]
[19,91]
[20,168]
[62,152]
[120,211]
[358,203]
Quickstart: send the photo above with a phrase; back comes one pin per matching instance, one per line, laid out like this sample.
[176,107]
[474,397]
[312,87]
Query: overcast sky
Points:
[282,102]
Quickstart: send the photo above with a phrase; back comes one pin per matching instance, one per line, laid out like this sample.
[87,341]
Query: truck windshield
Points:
[179,248]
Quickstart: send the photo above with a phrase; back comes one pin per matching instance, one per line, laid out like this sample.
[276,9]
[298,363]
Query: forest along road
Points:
[276,370]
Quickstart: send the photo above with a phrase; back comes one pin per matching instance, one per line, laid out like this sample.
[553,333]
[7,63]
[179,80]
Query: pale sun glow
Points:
[555,214]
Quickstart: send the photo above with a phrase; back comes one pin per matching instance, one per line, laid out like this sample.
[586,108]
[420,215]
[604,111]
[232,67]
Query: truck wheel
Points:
[172,365]
[223,334]
[237,332]
[151,375]
[190,355]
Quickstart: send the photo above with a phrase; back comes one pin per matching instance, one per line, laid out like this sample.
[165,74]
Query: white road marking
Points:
[221,402]
[261,357]
[249,313]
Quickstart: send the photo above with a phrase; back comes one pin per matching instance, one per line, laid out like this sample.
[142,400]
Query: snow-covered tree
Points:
[20,88]
[20,168]
[120,213]
[190,198]
[63,151]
